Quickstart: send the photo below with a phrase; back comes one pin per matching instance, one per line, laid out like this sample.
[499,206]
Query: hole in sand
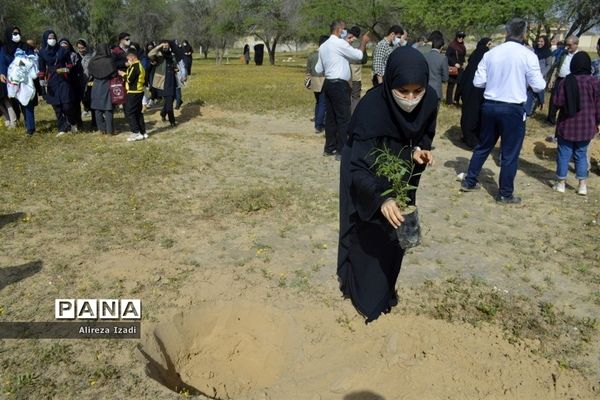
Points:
[219,351]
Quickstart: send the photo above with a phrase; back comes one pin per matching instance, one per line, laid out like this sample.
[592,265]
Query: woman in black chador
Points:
[472,97]
[400,114]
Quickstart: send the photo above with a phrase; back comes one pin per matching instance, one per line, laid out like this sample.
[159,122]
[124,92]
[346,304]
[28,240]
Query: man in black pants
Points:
[334,57]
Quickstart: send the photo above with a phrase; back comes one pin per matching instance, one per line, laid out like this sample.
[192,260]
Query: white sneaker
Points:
[61,133]
[146,136]
[134,137]
[559,187]
[74,128]
[11,124]
[582,191]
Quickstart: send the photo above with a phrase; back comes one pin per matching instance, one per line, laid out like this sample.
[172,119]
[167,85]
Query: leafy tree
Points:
[583,14]
[145,20]
[103,24]
[272,21]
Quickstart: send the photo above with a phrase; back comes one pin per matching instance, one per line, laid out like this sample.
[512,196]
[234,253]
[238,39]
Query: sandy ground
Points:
[243,302]
[266,342]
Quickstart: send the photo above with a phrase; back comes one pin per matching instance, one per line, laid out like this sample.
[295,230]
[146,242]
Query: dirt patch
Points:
[234,215]
[245,350]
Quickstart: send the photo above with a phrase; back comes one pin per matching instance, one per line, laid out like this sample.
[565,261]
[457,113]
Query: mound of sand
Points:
[251,351]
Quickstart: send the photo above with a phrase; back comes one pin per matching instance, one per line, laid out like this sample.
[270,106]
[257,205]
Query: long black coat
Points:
[60,86]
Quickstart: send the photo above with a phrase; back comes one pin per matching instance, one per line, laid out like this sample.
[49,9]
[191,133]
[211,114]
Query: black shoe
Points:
[465,188]
[508,200]
[328,154]
[163,118]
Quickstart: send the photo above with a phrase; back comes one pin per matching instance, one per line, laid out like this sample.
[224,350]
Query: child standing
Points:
[578,97]
[134,83]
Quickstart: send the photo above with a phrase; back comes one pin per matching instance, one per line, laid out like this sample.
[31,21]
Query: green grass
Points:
[257,89]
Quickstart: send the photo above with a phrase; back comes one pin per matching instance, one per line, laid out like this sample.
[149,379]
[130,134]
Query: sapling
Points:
[399,173]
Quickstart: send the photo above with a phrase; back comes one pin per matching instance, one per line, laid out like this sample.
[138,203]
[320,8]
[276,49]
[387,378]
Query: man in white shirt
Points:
[334,57]
[564,69]
[505,72]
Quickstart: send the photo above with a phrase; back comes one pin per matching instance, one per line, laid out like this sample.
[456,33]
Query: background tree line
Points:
[217,24]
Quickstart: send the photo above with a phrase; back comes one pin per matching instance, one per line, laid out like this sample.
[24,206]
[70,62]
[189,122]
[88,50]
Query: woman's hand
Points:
[392,213]
[423,157]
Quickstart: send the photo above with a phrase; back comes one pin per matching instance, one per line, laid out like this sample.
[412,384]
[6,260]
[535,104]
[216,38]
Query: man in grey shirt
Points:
[438,63]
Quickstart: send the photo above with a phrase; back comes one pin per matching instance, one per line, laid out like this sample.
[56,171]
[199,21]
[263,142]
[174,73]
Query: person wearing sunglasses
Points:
[456,54]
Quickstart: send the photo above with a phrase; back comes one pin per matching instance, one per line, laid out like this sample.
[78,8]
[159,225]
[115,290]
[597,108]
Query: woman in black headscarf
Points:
[188,52]
[13,108]
[472,97]
[55,64]
[577,97]
[164,80]
[102,68]
[546,59]
[400,115]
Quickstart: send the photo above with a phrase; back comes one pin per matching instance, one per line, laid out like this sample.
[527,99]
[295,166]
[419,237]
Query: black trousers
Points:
[552,109]
[133,112]
[337,118]
[453,96]
[65,116]
[167,109]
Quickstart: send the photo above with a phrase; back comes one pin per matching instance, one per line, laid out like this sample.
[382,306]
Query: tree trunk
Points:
[272,51]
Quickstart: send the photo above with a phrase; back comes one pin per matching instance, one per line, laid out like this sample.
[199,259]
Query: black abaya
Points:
[472,97]
[369,256]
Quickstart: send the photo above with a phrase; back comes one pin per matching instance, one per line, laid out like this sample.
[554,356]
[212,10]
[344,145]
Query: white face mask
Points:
[51,42]
[396,41]
[405,104]
[344,34]
[16,38]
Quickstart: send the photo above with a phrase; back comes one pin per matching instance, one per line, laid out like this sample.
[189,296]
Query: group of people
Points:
[80,81]
[498,86]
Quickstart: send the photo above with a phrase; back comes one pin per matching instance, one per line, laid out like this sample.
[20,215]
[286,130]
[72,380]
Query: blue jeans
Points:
[28,111]
[319,110]
[499,120]
[531,95]
[576,150]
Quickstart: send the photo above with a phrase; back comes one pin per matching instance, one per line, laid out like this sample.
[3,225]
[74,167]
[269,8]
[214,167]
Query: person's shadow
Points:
[453,134]
[363,395]
[10,275]
[486,177]
[6,219]
[188,112]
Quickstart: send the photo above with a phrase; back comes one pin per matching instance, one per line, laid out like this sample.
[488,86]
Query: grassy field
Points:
[238,200]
